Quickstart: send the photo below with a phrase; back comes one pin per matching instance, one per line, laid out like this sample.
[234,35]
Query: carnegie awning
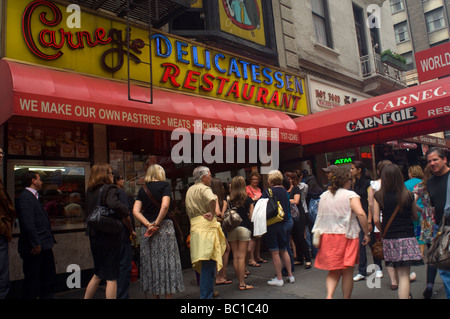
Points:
[35,91]
[405,113]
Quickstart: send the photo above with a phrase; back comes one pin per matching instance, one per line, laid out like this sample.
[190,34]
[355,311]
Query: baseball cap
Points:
[330,168]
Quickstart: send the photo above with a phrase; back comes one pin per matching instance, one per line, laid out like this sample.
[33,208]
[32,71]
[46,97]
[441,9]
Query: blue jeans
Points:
[207,279]
[445,276]
[4,267]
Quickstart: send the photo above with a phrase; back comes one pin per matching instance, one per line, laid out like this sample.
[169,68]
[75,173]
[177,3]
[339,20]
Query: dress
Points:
[428,224]
[161,271]
[339,229]
[400,246]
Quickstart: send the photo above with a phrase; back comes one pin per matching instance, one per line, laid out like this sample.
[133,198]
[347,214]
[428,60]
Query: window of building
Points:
[321,22]
[401,32]
[397,6]
[409,56]
[435,20]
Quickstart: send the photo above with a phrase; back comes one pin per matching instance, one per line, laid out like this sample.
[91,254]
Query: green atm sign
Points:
[340,161]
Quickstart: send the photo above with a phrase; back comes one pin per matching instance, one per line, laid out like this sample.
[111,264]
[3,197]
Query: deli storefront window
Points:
[62,193]
[60,152]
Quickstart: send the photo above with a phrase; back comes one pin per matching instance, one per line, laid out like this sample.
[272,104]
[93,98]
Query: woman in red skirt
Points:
[337,221]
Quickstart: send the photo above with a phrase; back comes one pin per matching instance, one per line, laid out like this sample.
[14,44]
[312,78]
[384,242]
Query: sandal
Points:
[262,261]
[246,287]
[226,282]
[255,265]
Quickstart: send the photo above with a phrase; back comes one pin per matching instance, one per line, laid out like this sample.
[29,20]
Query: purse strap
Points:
[391,219]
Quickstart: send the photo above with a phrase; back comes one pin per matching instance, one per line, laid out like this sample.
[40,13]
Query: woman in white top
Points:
[337,221]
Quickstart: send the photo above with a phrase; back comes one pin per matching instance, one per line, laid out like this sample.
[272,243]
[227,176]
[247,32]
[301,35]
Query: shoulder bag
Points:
[377,247]
[274,210]
[438,254]
[170,214]
[104,219]
[231,218]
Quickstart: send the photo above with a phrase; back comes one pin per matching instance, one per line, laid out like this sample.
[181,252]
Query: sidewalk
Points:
[309,284]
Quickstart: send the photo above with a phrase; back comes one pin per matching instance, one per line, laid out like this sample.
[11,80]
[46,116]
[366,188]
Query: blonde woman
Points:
[278,234]
[241,235]
[161,272]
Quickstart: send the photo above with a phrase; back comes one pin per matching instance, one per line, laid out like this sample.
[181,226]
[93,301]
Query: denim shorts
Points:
[276,238]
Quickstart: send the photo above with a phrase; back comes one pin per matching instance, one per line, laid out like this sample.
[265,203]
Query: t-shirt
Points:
[437,188]
[198,198]
[158,189]
[251,192]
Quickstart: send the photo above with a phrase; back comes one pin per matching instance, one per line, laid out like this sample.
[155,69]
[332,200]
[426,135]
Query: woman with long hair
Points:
[337,222]
[427,227]
[240,236]
[161,272]
[299,225]
[218,189]
[400,247]
[105,247]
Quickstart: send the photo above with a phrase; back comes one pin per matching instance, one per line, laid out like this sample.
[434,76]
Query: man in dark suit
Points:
[36,240]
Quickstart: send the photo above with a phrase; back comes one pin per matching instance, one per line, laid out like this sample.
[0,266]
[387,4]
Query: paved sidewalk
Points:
[309,284]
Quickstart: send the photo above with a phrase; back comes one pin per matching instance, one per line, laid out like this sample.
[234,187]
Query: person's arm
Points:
[212,208]
[296,199]
[355,204]
[376,215]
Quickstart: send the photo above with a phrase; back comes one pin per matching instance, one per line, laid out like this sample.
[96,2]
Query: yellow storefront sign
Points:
[57,36]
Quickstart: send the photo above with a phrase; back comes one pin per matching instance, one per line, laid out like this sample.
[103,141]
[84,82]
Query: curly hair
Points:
[340,176]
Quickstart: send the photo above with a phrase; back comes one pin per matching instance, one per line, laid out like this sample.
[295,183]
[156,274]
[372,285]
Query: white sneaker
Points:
[291,279]
[379,274]
[276,282]
[359,277]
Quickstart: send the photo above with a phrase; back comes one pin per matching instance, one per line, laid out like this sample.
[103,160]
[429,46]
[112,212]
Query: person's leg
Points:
[207,279]
[4,267]
[92,287]
[277,263]
[111,289]
[445,276]
[123,282]
[286,261]
[222,273]
[403,282]
[393,276]
[332,281]
[347,282]
[242,252]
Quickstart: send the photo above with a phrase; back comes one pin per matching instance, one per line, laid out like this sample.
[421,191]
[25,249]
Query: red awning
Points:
[28,90]
[409,112]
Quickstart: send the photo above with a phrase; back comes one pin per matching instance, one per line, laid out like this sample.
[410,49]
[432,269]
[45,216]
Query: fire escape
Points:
[152,14]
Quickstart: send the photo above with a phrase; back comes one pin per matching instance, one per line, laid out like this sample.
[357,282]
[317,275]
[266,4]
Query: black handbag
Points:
[104,219]
[274,210]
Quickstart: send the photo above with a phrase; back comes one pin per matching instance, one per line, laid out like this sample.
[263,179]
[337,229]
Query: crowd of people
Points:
[347,215]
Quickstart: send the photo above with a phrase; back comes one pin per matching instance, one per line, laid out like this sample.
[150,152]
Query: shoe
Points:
[291,279]
[412,277]
[308,265]
[276,282]
[359,277]
[394,287]
[379,274]
[428,293]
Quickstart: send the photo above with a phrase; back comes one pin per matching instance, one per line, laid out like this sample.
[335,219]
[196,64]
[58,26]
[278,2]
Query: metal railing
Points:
[372,65]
